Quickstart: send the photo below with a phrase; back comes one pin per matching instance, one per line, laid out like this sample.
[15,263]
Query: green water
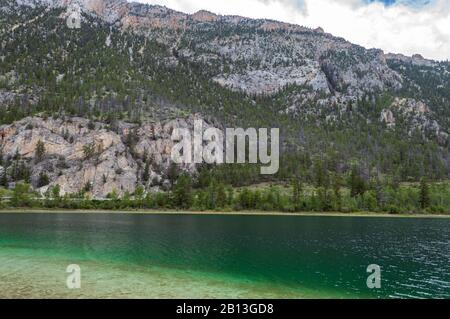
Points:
[187,256]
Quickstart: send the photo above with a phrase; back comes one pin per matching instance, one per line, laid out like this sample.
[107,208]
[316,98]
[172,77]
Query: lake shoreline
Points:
[218,213]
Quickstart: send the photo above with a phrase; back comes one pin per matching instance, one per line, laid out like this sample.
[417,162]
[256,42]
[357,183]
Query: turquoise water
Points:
[197,256]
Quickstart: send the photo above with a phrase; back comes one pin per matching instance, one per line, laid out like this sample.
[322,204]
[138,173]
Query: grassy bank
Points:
[282,199]
[212,213]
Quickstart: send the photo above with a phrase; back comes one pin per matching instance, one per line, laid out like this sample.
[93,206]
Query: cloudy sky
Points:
[399,26]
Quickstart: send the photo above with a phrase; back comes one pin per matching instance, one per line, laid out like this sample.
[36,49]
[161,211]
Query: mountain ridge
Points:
[104,8]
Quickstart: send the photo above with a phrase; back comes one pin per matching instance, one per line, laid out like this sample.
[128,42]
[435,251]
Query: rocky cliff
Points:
[84,155]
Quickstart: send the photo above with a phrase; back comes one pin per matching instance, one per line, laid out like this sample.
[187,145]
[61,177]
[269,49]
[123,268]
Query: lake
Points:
[202,256]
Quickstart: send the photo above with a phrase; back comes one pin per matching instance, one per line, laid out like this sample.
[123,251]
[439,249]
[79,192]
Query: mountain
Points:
[134,65]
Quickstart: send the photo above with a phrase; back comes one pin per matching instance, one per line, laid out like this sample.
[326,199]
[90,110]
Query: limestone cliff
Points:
[80,154]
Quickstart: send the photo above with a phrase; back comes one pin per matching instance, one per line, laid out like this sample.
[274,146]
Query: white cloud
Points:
[399,28]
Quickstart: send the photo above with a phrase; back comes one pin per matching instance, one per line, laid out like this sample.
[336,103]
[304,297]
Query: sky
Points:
[397,26]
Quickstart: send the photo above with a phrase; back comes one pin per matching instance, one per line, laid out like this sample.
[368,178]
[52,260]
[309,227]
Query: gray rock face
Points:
[415,59]
[83,155]
[417,115]
[270,81]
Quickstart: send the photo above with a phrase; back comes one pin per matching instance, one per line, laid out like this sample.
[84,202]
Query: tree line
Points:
[353,195]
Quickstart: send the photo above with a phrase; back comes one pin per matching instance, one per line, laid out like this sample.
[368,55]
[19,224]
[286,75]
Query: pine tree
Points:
[319,173]
[379,192]
[425,199]
[4,180]
[245,199]
[324,199]
[43,180]
[173,173]
[221,196]
[146,175]
[230,195]
[23,172]
[182,192]
[39,151]
[55,191]
[297,190]
[139,193]
[357,183]
[337,184]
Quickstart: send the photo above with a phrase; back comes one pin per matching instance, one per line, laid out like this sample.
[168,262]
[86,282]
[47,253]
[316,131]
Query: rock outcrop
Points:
[417,116]
[93,156]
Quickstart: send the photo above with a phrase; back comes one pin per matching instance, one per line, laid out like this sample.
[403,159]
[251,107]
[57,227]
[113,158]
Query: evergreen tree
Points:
[357,183]
[56,191]
[146,175]
[182,192]
[379,192]
[39,151]
[43,180]
[21,195]
[297,190]
[425,199]
[324,199]
[319,173]
[221,196]
[230,195]
[22,172]
[4,180]
[337,184]
[139,195]
[173,173]
[245,199]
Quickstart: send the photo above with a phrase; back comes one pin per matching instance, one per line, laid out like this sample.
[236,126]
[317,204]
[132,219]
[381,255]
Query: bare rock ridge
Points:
[416,59]
[285,54]
[299,55]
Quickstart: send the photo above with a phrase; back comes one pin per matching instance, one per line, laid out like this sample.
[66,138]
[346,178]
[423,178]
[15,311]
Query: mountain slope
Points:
[334,101]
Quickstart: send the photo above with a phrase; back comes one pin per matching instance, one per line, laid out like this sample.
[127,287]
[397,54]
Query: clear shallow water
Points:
[187,256]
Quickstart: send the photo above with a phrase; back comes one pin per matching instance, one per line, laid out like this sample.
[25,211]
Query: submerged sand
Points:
[37,277]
